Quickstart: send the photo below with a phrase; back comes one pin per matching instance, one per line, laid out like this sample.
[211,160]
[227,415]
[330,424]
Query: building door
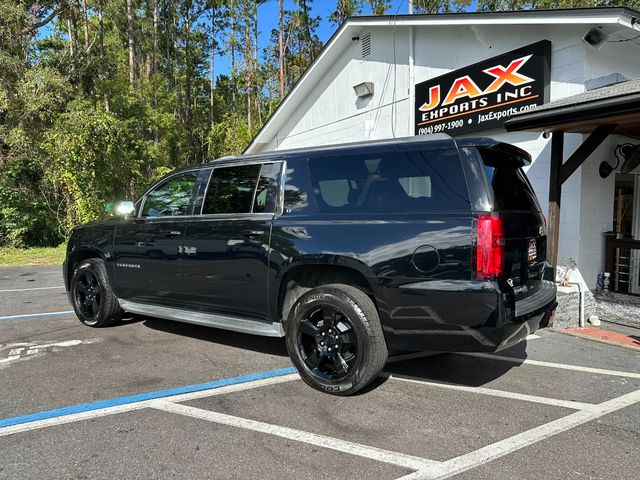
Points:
[634,270]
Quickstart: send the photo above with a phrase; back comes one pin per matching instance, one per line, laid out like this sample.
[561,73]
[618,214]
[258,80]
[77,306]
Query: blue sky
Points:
[268,20]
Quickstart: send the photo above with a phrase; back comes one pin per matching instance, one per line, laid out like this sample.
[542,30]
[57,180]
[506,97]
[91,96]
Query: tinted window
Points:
[231,189]
[390,182]
[511,189]
[296,185]
[171,197]
[267,191]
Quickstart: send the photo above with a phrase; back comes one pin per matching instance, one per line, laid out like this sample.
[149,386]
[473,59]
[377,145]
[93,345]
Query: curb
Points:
[595,339]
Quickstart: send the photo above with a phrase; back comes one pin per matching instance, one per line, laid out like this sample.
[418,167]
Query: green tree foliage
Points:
[506,5]
[344,9]
[98,98]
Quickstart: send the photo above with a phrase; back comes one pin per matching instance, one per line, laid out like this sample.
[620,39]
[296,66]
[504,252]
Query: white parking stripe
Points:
[499,393]
[504,447]
[373,453]
[103,412]
[36,315]
[576,368]
[33,288]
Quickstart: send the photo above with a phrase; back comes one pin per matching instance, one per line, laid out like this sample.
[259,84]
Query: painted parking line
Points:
[562,366]
[32,288]
[372,453]
[497,393]
[139,398]
[37,315]
[509,445]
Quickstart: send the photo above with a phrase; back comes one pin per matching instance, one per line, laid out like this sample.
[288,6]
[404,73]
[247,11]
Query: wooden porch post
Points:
[555,190]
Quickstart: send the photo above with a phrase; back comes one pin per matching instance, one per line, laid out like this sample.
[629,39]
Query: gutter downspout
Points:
[412,91]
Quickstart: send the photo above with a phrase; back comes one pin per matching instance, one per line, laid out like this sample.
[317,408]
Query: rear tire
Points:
[335,339]
[92,298]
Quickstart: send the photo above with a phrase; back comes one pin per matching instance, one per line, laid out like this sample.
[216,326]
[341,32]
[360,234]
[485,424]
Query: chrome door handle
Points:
[173,233]
[252,233]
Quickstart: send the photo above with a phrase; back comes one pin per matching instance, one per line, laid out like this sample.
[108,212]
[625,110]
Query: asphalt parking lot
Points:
[155,399]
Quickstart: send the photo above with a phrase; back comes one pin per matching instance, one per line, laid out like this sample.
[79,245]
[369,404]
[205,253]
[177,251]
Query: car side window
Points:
[172,197]
[267,189]
[390,182]
[231,189]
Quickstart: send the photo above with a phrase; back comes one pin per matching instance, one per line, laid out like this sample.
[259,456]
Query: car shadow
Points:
[458,368]
[267,345]
[453,368]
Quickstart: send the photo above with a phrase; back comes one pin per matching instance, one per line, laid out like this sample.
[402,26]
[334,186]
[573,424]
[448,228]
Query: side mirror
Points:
[125,208]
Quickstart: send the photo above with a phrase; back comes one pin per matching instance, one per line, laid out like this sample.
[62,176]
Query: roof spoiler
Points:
[509,154]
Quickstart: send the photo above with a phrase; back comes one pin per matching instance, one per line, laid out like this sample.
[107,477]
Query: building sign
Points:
[484,95]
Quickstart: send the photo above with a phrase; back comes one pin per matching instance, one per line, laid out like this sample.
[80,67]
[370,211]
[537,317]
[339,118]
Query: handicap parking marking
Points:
[37,315]
[562,366]
[32,421]
[27,350]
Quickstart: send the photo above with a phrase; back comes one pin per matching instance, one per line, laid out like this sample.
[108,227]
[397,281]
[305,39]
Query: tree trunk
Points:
[101,32]
[255,63]
[154,54]
[85,21]
[188,101]
[131,43]
[232,40]
[101,47]
[70,33]
[248,53]
[281,45]
[212,77]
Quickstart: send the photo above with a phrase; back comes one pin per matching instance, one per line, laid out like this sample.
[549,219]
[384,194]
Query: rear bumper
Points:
[461,316]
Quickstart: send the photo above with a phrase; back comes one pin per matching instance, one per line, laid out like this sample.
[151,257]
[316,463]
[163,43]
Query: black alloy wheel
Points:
[328,343]
[93,299]
[335,339]
[88,295]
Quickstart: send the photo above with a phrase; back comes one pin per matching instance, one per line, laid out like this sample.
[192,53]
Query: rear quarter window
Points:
[403,182]
[509,184]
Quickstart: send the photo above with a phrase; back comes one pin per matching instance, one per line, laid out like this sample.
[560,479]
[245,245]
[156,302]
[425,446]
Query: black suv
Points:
[351,251]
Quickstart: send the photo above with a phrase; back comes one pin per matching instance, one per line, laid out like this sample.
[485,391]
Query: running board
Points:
[225,322]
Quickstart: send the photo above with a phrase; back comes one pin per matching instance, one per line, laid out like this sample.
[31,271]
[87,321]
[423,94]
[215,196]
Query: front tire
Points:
[92,298]
[335,339]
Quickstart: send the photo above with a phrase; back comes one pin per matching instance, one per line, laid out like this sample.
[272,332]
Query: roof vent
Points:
[366,44]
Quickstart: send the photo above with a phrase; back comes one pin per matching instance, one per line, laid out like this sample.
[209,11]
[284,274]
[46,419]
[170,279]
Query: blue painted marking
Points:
[36,315]
[87,407]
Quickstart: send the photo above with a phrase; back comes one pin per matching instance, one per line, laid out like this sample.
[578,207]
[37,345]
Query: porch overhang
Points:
[598,113]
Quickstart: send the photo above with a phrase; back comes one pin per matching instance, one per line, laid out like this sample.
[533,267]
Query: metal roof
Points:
[342,37]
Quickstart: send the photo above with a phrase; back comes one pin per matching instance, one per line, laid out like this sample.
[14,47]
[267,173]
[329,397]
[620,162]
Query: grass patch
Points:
[22,257]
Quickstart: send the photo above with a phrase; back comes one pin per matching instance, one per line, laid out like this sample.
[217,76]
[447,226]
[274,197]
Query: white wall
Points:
[332,114]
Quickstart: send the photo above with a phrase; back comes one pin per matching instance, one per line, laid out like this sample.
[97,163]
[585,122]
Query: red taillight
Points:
[490,247]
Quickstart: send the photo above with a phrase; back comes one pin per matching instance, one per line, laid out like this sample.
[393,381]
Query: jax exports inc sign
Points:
[484,95]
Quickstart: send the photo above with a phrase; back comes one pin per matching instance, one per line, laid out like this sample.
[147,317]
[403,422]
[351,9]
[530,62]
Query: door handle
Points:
[173,233]
[252,233]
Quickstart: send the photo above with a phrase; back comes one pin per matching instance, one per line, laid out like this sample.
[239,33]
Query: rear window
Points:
[511,188]
[390,182]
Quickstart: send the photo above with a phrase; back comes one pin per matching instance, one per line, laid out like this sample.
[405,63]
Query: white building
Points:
[590,48]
